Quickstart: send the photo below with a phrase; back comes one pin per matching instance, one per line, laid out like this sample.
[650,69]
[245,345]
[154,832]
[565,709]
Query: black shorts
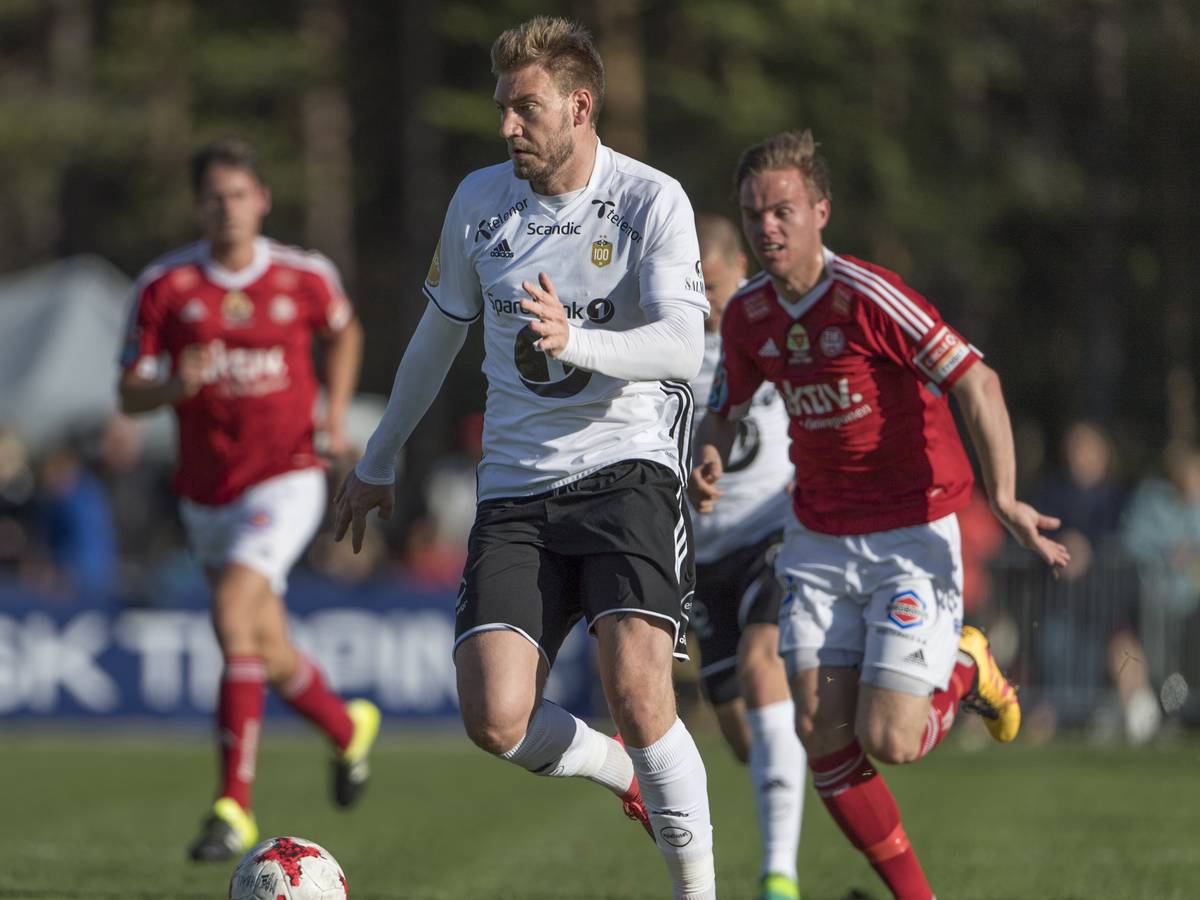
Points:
[618,540]
[736,590]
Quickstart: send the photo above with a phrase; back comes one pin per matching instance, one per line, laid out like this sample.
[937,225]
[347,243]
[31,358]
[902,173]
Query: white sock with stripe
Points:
[675,789]
[777,770]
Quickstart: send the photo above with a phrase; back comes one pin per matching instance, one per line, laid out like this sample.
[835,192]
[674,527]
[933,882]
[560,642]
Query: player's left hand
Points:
[353,501]
[1026,524]
[551,327]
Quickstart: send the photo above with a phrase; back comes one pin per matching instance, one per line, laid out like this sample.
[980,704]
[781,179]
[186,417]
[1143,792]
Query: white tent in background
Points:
[61,328]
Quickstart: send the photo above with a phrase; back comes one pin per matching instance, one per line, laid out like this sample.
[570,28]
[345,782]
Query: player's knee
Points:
[887,743]
[494,727]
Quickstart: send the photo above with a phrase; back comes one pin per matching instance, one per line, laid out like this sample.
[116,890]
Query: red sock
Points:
[859,801]
[239,721]
[308,694]
[944,705]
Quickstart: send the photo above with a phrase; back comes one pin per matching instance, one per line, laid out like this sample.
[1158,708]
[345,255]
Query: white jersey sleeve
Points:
[670,270]
[452,284]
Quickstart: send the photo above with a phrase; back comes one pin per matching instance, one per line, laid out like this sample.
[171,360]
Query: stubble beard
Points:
[541,170]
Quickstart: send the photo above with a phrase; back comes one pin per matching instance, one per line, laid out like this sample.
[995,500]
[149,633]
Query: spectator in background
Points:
[1162,531]
[1088,629]
[77,524]
[16,503]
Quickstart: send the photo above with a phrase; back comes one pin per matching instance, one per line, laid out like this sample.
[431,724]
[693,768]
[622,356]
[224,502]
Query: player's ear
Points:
[266,199]
[581,106]
[822,209]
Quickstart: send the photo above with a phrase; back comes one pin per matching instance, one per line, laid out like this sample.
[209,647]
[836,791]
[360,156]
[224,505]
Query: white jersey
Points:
[755,481]
[627,241]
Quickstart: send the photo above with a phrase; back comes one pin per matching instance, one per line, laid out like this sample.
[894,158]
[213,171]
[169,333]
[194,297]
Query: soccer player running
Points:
[736,611]
[584,266]
[871,625]
[222,330]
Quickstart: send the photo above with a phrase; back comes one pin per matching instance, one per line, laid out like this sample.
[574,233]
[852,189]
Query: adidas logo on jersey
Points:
[769,348]
[502,250]
[917,657]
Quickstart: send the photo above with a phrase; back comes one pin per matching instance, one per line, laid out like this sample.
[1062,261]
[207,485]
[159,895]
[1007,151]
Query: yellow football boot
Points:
[351,768]
[992,696]
[227,833]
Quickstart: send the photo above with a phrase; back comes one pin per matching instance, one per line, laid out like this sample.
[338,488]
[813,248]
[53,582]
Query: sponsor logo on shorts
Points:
[917,658]
[676,837]
[907,610]
[260,518]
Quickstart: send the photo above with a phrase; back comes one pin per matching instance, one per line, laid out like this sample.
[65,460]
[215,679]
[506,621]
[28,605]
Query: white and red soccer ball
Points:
[288,868]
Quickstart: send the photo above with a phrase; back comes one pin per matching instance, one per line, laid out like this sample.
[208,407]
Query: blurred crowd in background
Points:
[1107,645]
[1028,167]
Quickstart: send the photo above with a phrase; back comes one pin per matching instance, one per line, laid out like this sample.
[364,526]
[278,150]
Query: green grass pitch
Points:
[104,816]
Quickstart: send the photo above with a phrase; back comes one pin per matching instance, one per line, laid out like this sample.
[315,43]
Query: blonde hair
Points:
[562,47]
[787,150]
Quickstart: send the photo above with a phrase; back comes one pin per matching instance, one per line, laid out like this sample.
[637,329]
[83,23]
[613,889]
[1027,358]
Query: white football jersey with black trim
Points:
[755,500]
[626,241]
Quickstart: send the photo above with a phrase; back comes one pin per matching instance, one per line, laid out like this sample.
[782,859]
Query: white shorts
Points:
[889,602]
[265,529]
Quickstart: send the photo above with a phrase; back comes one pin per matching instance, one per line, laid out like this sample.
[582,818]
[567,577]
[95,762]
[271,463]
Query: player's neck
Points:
[232,257]
[799,283]
[574,173]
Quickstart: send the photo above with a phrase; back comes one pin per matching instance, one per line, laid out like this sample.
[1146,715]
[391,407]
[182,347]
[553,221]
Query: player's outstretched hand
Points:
[353,501]
[702,485]
[1026,524]
[551,327]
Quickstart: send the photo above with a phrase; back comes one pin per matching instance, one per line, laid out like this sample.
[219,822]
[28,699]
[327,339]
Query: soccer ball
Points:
[288,868]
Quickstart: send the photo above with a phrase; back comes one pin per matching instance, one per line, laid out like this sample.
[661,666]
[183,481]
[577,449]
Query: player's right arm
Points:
[141,392]
[145,384]
[455,301]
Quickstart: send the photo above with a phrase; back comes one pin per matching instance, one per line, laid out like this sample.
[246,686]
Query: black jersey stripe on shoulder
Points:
[449,315]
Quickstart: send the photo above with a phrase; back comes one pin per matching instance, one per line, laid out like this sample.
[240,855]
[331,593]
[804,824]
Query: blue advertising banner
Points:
[387,641]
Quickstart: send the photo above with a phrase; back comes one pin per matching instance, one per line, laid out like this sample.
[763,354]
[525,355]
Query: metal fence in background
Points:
[1068,642]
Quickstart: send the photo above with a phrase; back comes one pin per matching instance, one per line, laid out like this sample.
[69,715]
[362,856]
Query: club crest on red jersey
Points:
[237,308]
[832,341]
[797,344]
[282,309]
[906,609]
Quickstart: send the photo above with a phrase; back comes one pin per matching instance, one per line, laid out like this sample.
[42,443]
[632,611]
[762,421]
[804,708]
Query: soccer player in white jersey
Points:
[871,623]
[736,611]
[584,267]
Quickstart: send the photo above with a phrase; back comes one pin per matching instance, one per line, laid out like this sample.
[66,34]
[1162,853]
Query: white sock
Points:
[777,771]
[559,745]
[675,790]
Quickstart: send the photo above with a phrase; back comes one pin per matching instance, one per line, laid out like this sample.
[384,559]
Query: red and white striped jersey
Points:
[862,363]
[253,419]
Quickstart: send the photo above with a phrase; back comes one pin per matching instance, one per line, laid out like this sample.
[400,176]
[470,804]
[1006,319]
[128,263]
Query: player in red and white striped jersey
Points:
[222,330]
[871,625]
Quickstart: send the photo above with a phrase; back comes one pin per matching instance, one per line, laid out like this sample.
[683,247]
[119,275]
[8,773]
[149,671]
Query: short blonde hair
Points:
[787,150]
[563,48]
